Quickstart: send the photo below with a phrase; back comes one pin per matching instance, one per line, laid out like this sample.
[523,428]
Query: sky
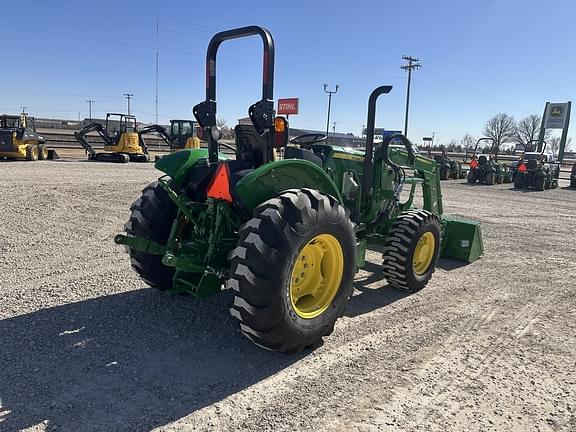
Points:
[478,58]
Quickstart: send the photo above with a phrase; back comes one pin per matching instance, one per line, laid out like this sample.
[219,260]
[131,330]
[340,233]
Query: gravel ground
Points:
[85,346]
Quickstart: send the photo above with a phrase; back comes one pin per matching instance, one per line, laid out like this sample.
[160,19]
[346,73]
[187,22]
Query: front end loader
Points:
[287,236]
[19,139]
[120,137]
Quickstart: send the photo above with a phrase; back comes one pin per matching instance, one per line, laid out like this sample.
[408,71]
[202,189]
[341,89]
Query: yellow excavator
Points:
[182,134]
[121,139]
[19,139]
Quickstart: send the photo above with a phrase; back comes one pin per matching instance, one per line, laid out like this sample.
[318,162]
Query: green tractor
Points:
[287,236]
[485,169]
[449,168]
[573,176]
[537,169]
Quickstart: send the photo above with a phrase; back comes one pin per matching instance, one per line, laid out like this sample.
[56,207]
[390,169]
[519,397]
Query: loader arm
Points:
[80,136]
[153,129]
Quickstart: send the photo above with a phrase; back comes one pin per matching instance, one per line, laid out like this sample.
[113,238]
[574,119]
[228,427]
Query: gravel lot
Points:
[85,346]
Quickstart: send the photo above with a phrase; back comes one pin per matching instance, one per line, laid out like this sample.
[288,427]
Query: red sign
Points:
[288,106]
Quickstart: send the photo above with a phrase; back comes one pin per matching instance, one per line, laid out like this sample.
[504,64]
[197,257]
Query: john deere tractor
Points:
[485,169]
[449,168]
[19,139]
[120,137]
[537,169]
[287,236]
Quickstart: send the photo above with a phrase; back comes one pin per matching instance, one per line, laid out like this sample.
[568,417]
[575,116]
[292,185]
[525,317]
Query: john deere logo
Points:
[556,111]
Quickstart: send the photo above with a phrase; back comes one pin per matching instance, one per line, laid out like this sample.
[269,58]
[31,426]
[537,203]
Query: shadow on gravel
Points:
[370,299]
[131,361]
[450,264]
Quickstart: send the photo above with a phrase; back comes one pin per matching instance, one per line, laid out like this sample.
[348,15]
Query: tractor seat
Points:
[482,160]
[300,153]
[249,145]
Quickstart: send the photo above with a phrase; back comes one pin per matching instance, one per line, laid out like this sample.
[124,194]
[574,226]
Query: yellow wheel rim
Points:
[35,152]
[316,276]
[424,253]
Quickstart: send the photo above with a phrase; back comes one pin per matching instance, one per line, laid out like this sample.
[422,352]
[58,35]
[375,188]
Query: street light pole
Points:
[128,96]
[330,93]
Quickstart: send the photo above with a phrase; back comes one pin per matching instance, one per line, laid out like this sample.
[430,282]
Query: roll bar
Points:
[262,112]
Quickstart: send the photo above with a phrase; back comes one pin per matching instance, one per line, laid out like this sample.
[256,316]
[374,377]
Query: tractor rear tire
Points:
[471,178]
[294,243]
[42,152]
[32,153]
[539,183]
[444,173]
[518,181]
[411,250]
[152,217]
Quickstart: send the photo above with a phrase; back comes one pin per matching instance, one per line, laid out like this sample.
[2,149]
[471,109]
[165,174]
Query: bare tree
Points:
[528,129]
[554,144]
[501,128]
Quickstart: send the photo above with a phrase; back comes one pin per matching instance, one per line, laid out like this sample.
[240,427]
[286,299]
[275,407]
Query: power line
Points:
[412,65]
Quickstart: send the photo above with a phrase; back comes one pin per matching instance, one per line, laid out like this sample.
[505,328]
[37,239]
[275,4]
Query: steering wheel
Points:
[308,139]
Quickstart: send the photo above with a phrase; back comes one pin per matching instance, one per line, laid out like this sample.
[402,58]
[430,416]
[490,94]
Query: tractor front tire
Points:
[292,270]
[152,217]
[42,152]
[490,177]
[411,250]
[32,153]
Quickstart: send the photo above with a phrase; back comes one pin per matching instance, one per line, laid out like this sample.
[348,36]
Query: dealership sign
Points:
[556,115]
[288,106]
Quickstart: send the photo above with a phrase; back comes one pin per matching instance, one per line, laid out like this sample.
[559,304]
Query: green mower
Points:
[536,169]
[485,169]
[287,236]
[449,168]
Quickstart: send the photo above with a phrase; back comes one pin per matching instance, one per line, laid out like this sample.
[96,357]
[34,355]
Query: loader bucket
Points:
[462,239]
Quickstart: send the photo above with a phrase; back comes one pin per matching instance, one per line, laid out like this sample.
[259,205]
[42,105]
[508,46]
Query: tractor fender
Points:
[271,179]
[177,164]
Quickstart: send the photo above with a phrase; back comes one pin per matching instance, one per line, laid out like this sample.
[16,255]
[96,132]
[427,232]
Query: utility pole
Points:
[23,109]
[128,96]
[90,102]
[156,70]
[412,65]
[330,93]
[334,127]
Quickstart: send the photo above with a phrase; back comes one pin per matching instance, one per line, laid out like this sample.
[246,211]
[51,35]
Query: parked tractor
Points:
[120,137]
[536,169]
[287,236]
[485,169]
[19,139]
[449,168]
[573,176]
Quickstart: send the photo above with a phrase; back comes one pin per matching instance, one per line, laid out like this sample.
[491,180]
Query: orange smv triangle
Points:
[473,163]
[220,186]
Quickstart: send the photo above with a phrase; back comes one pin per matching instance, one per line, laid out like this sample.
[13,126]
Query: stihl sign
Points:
[288,106]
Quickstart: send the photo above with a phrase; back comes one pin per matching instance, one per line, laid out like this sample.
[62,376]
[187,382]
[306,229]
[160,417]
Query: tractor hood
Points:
[176,165]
